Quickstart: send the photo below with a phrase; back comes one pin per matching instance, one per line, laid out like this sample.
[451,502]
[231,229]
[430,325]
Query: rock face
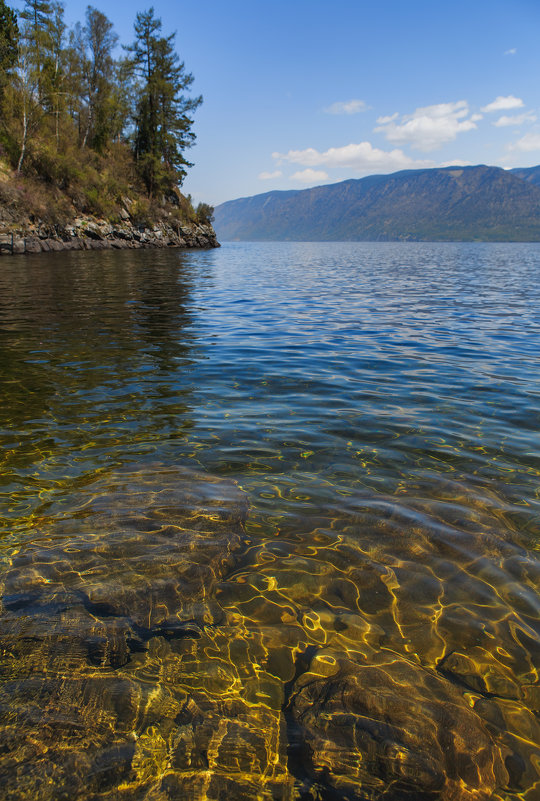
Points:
[86,233]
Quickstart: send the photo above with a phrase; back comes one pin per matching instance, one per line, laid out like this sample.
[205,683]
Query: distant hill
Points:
[531,174]
[452,203]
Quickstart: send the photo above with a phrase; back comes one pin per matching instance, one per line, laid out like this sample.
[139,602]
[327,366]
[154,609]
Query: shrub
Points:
[205,214]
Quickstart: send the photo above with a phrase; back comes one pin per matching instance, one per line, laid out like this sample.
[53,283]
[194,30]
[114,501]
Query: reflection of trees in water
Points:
[128,298]
[92,347]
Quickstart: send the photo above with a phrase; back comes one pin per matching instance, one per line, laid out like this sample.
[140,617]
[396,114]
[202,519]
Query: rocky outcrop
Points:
[88,233]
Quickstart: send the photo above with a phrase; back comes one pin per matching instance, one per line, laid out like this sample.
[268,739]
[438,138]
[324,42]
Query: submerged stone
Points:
[132,567]
[151,652]
[145,548]
[391,730]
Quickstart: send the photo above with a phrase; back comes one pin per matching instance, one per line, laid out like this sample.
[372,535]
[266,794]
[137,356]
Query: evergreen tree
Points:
[9,36]
[37,88]
[37,15]
[121,101]
[205,213]
[53,72]
[162,116]
[98,128]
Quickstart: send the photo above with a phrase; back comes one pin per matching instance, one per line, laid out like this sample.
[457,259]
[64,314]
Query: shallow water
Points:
[270,523]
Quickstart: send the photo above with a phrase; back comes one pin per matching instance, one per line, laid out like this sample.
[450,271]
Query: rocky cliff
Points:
[89,233]
[39,216]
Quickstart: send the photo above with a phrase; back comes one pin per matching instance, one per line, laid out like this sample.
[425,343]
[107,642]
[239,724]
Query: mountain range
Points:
[441,204]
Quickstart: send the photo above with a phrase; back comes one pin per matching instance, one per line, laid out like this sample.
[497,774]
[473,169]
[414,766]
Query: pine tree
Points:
[37,15]
[162,117]
[53,73]
[9,36]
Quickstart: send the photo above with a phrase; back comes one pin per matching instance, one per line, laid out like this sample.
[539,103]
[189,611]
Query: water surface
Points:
[270,523]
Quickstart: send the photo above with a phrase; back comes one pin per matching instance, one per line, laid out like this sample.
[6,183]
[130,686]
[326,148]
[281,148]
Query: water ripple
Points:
[346,605]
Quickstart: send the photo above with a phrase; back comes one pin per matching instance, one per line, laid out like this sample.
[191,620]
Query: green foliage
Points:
[185,210]
[9,148]
[61,169]
[87,130]
[205,213]
[141,212]
[38,16]
[93,74]
[9,37]
[162,112]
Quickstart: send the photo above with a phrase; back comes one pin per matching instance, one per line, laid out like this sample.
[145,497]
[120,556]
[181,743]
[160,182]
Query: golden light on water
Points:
[260,541]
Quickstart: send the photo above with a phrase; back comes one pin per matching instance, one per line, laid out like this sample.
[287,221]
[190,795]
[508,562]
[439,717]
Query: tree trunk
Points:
[24,136]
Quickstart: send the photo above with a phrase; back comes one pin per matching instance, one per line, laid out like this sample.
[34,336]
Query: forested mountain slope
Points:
[454,203]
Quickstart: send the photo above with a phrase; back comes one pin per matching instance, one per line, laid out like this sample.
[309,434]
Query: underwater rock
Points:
[391,730]
[227,738]
[134,566]
[146,548]
[149,651]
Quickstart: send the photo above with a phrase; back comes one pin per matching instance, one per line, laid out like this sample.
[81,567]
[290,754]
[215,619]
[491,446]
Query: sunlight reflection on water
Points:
[271,523]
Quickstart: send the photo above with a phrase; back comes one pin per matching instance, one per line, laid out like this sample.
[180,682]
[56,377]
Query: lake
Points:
[270,523]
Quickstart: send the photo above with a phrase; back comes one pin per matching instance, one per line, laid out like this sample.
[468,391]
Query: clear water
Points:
[270,523]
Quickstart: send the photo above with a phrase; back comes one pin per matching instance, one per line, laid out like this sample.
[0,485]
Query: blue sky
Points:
[306,92]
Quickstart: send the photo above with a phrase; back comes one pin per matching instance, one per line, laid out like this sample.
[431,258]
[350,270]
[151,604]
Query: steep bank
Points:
[87,233]
[39,216]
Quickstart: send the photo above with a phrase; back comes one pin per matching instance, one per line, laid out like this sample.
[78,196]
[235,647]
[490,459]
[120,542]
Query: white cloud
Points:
[267,176]
[385,120]
[476,117]
[511,52]
[456,163]
[362,157]
[503,104]
[530,141]
[309,176]
[514,119]
[348,107]
[429,127]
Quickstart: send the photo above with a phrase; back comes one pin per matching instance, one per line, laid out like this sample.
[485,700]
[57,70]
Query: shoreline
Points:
[87,233]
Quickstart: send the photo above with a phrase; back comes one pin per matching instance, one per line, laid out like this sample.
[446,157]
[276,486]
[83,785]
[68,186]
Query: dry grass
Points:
[57,187]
